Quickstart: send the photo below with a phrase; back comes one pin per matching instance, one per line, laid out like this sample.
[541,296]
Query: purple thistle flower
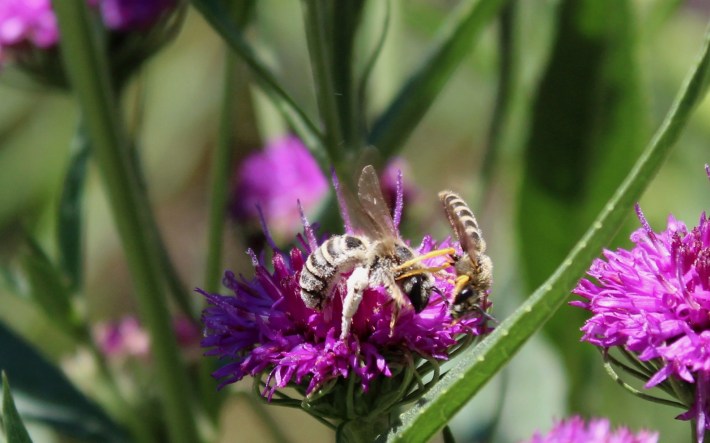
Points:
[654,301]
[265,330]
[598,430]
[273,180]
[27,22]
[127,15]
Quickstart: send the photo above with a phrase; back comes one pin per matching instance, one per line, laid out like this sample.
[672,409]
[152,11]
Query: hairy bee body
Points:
[375,257]
[338,255]
[474,268]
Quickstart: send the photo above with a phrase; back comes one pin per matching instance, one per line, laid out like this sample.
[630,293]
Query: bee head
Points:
[466,300]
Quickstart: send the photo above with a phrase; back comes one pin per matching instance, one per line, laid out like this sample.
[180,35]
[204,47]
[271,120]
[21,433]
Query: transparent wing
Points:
[374,204]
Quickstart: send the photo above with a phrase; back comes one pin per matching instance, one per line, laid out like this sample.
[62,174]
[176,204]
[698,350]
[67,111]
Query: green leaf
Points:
[15,431]
[391,130]
[50,397]
[69,221]
[218,16]
[587,130]
[48,287]
[477,367]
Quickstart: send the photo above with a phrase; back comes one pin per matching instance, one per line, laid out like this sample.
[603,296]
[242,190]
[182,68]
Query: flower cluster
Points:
[32,22]
[264,329]
[654,301]
[29,35]
[575,430]
[27,22]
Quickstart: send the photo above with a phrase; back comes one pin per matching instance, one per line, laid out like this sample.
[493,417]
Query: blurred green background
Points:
[581,109]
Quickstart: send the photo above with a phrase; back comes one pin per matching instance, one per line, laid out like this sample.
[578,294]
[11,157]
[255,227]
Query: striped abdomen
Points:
[339,254]
[463,222]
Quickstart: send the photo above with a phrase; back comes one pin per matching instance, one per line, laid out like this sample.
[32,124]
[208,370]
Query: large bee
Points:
[474,269]
[375,255]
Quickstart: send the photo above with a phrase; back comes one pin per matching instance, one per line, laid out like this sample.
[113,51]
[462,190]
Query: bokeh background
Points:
[591,83]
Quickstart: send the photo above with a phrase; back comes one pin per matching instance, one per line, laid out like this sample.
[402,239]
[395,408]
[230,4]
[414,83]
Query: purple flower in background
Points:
[265,330]
[123,15]
[27,22]
[126,337]
[654,301]
[598,430]
[274,180]
[27,25]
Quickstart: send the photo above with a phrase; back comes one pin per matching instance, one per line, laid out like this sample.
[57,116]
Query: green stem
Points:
[447,435]
[87,69]
[319,33]
[124,411]
[219,191]
[306,130]
[271,425]
[507,84]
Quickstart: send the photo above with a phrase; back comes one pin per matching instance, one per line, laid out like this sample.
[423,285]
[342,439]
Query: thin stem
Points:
[447,435]
[306,130]
[219,191]
[318,31]
[124,410]
[507,84]
[270,424]
[87,68]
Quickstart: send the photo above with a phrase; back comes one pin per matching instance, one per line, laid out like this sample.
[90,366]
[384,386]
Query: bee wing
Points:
[374,204]
[470,241]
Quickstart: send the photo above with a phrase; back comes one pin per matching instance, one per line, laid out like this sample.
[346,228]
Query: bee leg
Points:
[393,320]
[356,284]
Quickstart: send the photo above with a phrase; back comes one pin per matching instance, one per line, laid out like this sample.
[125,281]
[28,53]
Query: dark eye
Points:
[466,293]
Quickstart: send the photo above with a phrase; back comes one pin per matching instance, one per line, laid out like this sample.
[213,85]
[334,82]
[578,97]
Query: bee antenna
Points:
[399,202]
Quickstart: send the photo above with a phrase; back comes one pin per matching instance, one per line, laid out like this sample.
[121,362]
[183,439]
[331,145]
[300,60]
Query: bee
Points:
[474,269]
[375,256]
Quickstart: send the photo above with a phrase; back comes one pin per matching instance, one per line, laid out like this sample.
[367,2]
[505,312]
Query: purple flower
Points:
[27,22]
[30,25]
[264,329]
[598,430]
[125,15]
[273,180]
[654,301]
[126,338]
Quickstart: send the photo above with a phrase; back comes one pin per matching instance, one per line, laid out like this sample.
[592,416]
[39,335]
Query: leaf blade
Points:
[15,431]
[53,399]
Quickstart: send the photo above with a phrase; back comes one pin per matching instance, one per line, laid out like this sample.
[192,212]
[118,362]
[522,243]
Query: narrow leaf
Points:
[51,398]
[217,15]
[391,130]
[474,369]
[15,431]
[69,221]
[48,287]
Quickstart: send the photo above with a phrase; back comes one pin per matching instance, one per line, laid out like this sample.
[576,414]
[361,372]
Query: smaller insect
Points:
[474,269]
[376,256]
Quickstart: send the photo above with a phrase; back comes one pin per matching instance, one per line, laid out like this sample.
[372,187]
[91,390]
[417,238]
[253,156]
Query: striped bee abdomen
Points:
[337,255]
[463,221]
